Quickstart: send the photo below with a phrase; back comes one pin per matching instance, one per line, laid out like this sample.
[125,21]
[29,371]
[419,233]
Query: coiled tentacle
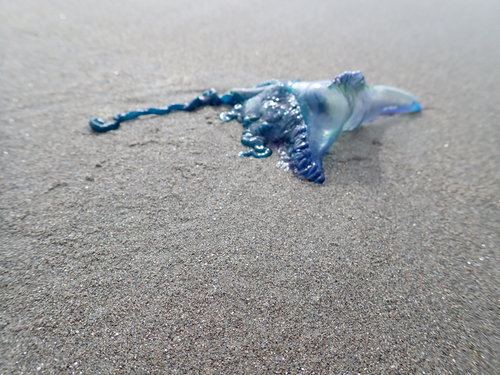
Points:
[208,98]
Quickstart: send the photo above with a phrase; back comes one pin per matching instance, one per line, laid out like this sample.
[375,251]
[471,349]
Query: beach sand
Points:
[155,249]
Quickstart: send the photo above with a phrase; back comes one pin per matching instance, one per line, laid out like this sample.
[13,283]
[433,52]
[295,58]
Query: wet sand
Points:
[155,249]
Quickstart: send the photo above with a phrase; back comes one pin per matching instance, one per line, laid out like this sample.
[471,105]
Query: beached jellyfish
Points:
[300,119]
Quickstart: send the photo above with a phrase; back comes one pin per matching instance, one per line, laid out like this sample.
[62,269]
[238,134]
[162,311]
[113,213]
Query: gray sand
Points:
[157,250]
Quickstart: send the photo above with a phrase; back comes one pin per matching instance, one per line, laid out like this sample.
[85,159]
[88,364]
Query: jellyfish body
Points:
[301,119]
[304,119]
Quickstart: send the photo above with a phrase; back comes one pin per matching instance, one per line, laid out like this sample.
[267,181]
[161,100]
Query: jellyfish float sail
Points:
[303,119]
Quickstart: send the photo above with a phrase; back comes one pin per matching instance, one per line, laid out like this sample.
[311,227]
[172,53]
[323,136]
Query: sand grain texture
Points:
[155,249]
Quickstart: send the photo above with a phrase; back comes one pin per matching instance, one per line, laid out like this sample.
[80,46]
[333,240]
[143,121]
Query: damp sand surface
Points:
[155,249]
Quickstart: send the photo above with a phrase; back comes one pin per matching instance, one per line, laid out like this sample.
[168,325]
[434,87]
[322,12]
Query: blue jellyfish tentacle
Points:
[208,98]
[299,153]
[275,116]
[258,152]
[261,117]
[256,141]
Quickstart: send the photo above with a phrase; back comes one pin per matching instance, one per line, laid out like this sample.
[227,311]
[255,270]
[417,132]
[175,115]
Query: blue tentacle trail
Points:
[208,98]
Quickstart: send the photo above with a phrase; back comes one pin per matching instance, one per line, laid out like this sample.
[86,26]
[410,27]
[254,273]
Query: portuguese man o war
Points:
[303,119]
